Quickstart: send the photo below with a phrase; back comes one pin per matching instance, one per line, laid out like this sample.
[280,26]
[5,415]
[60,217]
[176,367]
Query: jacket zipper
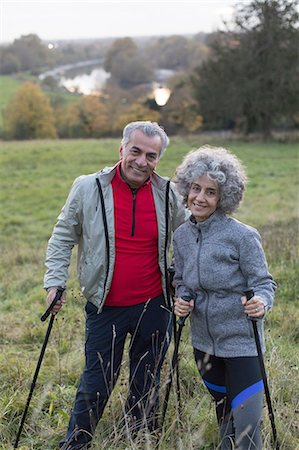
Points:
[106,234]
[134,194]
[199,239]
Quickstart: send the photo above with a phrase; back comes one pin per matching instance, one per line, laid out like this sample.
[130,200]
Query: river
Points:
[84,77]
[89,77]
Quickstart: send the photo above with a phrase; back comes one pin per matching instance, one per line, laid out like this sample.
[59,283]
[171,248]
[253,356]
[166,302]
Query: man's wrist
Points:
[48,289]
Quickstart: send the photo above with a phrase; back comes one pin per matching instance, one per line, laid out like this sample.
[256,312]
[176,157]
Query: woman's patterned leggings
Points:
[237,387]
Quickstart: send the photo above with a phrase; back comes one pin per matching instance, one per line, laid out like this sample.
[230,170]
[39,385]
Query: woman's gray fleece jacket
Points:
[215,261]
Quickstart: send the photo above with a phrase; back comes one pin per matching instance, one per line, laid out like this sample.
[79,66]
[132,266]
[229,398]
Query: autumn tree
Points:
[29,115]
[251,78]
[136,111]
[180,114]
[86,117]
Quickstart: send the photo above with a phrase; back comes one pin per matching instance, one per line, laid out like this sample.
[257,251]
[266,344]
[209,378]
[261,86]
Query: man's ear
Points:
[120,151]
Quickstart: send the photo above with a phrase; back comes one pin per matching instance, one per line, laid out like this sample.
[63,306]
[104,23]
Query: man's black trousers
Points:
[149,325]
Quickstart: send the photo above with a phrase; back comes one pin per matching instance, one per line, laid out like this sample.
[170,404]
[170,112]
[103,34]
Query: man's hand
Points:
[50,297]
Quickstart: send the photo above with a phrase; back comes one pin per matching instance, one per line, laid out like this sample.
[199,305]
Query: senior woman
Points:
[216,259]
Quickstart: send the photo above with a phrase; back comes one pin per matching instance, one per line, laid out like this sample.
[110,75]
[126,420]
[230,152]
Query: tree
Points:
[126,64]
[26,53]
[172,52]
[136,111]
[9,63]
[176,52]
[251,77]
[122,46]
[217,98]
[179,115]
[87,117]
[29,115]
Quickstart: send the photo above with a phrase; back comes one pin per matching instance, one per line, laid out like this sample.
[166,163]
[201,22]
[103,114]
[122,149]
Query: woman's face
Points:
[203,198]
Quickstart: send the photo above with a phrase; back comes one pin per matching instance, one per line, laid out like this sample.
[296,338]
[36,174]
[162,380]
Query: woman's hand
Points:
[182,308]
[254,307]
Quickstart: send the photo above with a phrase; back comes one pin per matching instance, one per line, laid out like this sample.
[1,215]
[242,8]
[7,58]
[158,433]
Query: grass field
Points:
[8,88]
[35,179]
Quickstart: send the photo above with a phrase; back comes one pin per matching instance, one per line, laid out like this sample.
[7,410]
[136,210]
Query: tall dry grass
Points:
[35,178]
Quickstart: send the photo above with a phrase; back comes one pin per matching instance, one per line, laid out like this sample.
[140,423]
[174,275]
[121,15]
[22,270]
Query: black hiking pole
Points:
[171,273]
[43,318]
[249,294]
[174,363]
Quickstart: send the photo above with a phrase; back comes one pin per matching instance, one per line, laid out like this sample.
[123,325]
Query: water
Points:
[84,77]
[87,84]
[77,78]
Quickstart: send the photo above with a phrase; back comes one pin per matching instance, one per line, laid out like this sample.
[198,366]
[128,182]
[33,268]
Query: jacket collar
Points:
[106,175]
[216,216]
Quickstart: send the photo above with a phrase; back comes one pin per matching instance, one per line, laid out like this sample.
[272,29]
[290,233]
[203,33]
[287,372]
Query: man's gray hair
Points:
[149,129]
[222,167]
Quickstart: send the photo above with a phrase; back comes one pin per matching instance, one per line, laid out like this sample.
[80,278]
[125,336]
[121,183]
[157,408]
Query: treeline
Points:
[128,94]
[30,53]
[244,79]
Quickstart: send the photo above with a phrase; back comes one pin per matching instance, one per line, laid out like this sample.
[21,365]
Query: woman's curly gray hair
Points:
[222,167]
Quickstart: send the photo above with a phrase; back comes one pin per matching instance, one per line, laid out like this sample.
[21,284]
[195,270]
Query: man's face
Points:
[139,158]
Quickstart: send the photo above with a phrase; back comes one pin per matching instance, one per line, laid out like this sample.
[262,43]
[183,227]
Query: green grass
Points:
[8,87]
[35,179]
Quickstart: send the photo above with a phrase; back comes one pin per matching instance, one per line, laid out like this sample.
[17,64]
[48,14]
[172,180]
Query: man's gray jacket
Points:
[82,222]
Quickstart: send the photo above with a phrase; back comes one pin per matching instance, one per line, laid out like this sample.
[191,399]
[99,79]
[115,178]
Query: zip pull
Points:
[197,239]
[134,195]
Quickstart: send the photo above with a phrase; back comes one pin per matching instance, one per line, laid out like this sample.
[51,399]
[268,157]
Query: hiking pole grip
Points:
[249,293]
[57,297]
[182,320]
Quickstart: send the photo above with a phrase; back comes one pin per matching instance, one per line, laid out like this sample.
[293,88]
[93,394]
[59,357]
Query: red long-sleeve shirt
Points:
[137,276]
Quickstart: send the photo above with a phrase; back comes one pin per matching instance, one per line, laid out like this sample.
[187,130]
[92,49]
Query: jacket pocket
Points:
[90,309]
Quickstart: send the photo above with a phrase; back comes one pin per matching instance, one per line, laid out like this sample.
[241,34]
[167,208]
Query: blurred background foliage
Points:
[243,79]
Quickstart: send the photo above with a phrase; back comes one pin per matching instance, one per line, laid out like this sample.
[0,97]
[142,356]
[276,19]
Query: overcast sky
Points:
[71,19]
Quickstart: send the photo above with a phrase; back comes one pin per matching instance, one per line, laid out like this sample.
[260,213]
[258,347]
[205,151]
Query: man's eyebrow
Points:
[135,147]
